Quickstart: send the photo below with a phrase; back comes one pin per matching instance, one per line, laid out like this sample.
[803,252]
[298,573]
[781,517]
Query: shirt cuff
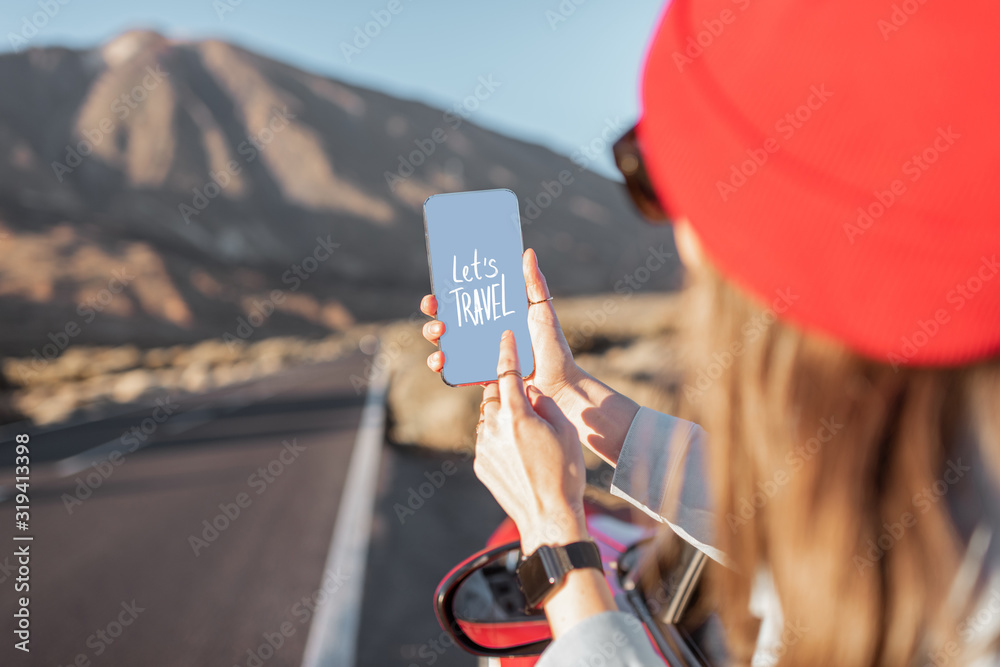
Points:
[662,470]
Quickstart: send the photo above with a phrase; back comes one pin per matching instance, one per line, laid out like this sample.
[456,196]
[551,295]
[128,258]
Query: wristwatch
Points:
[541,573]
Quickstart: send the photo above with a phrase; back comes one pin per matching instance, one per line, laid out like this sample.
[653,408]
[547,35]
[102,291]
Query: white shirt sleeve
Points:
[611,639]
[662,470]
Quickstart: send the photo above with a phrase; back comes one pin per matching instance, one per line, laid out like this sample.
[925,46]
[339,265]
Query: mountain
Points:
[155,191]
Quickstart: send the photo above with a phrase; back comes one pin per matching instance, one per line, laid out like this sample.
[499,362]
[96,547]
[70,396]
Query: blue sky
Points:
[564,69]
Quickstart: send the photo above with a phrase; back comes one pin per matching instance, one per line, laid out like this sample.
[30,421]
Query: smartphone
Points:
[474,251]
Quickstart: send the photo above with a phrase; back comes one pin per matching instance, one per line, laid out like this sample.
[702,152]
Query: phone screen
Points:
[474,252]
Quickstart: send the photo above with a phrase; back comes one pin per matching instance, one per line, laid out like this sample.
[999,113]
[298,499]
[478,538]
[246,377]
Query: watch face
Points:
[538,574]
[545,569]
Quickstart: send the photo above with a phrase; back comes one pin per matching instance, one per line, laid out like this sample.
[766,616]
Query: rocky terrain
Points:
[89,379]
[185,215]
[635,352]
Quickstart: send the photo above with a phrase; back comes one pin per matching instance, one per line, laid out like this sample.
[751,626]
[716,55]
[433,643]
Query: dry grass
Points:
[633,350]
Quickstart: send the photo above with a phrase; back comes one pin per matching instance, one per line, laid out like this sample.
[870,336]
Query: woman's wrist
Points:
[584,593]
[602,415]
[557,528]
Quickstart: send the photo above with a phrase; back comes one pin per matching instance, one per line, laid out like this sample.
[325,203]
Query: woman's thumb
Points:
[542,320]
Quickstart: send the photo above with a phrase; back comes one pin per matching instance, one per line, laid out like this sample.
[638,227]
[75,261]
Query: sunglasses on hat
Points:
[628,158]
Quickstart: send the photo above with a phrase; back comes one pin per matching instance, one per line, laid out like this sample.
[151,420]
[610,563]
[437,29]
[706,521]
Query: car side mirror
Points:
[480,604]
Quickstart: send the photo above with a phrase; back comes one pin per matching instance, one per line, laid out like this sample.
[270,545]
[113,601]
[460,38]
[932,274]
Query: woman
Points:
[830,170]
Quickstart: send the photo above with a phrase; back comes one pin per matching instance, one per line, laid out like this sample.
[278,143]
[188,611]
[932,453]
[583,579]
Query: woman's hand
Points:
[555,370]
[528,455]
[601,415]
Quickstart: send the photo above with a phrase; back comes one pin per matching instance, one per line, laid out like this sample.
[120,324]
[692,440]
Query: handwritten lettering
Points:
[479,304]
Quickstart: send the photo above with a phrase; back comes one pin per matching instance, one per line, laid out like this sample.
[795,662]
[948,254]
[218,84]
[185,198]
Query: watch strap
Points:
[541,573]
[583,554]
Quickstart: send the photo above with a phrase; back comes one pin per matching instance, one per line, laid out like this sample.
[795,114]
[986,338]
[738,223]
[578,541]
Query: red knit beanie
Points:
[843,154]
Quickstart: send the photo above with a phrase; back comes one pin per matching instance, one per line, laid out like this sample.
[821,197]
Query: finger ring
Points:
[511,372]
[533,303]
[482,406]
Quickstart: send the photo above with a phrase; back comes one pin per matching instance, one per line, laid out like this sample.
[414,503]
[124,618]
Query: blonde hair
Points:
[821,462]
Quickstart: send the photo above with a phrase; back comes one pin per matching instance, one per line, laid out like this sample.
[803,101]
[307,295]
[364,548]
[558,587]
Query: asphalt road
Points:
[145,561]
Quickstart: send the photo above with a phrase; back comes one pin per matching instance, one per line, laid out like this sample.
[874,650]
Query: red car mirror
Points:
[481,606]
